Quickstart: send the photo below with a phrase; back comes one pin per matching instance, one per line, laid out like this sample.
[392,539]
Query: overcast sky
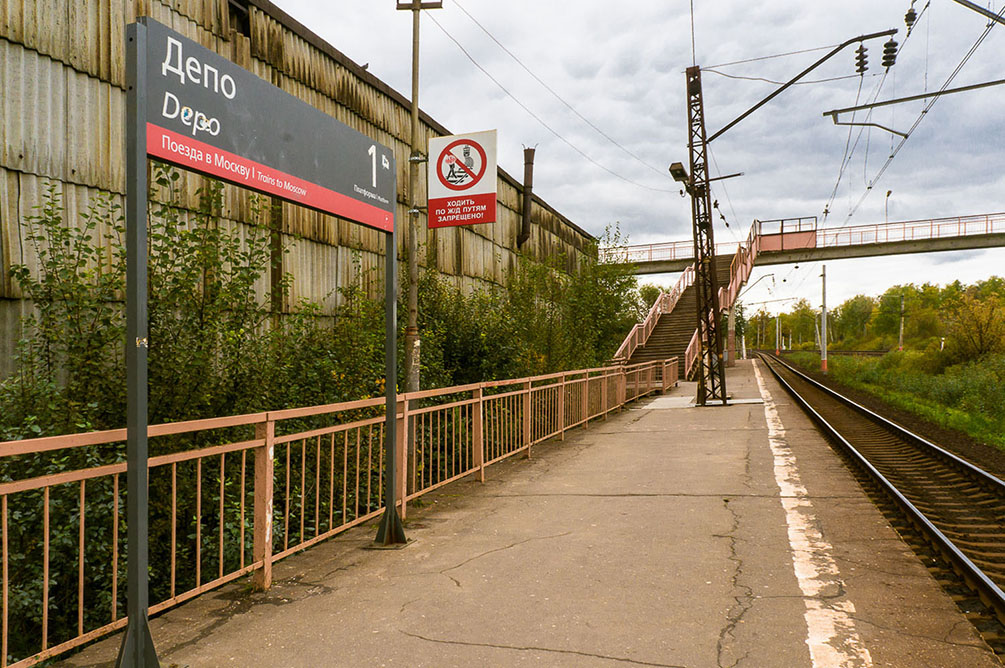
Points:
[621,67]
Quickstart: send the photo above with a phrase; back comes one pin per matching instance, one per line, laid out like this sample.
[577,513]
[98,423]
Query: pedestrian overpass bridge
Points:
[669,328]
[795,240]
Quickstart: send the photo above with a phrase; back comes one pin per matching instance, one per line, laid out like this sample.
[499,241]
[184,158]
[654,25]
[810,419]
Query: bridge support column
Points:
[731,338]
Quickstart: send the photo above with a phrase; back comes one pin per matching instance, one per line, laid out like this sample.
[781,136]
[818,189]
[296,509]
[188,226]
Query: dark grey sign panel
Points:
[209,115]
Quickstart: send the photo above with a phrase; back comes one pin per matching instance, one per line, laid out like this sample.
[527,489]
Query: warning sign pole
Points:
[412,341]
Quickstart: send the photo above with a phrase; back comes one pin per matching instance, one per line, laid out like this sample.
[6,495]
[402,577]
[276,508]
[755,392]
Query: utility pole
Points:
[415,204]
[900,339]
[778,334]
[823,321]
[711,370]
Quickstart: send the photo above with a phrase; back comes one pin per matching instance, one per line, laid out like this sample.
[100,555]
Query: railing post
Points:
[561,407]
[477,436]
[586,400]
[527,386]
[262,530]
[622,388]
[604,392]
[402,453]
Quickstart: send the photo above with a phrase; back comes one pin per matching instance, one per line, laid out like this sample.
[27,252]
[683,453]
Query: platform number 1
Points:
[373,161]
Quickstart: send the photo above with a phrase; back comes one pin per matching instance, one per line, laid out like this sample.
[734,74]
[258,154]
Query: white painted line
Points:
[831,635]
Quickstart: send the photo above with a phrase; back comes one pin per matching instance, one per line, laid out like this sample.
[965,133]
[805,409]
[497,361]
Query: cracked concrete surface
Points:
[656,538]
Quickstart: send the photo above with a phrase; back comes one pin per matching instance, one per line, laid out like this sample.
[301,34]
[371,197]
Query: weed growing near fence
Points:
[216,349]
[968,397]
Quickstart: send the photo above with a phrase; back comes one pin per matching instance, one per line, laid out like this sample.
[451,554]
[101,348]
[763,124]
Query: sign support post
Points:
[391,532]
[137,650]
[187,115]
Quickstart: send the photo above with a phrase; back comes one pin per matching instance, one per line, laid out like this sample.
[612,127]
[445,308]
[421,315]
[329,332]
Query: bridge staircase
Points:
[669,328]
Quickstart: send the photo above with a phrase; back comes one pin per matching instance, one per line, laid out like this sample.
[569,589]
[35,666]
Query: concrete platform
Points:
[666,536]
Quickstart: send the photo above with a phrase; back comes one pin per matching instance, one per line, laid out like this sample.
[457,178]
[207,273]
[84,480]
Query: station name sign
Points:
[206,114]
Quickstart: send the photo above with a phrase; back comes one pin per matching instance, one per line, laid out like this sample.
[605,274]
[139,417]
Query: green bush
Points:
[216,349]
[968,397]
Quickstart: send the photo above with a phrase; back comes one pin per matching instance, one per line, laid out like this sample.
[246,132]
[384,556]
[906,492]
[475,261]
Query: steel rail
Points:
[989,592]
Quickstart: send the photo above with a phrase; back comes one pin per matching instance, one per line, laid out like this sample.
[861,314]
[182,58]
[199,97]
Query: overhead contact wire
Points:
[538,118]
[558,97]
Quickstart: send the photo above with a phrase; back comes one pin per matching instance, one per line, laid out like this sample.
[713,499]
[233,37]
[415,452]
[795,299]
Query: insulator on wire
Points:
[861,59]
[889,53]
[910,17]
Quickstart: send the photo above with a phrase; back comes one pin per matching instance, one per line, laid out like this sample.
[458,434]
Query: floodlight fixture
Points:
[678,173]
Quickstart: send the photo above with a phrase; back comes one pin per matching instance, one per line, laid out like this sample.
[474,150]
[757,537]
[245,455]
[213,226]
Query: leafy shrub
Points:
[216,349]
[969,397]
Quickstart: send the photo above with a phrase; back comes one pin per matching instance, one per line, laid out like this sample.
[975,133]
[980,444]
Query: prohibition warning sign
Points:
[462,179]
[461,165]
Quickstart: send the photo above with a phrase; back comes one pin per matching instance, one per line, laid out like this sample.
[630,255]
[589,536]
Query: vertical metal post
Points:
[477,435]
[528,386]
[711,369]
[604,390]
[137,648]
[391,531]
[731,338]
[261,579]
[823,321]
[561,407]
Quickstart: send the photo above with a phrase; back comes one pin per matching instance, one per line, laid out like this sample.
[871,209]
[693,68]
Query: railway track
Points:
[953,506]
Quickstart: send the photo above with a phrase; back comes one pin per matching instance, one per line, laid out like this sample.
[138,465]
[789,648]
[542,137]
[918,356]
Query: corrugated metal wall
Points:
[62,101]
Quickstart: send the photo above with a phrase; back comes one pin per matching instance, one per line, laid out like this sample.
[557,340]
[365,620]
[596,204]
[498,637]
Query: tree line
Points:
[963,322]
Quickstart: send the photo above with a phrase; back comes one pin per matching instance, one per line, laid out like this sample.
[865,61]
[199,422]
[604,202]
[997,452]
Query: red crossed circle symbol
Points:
[475,176]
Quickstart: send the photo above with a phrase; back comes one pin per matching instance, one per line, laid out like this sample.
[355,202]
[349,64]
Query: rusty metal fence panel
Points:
[230,496]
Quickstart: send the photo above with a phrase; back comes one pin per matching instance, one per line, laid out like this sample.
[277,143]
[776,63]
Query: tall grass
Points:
[967,397]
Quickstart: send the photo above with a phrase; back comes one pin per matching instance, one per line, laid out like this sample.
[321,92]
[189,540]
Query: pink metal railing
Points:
[739,271]
[659,252]
[912,230]
[665,302]
[231,496]
[745,254]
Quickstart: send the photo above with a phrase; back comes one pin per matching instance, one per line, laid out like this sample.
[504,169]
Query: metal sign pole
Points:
[137,645]
[391,532]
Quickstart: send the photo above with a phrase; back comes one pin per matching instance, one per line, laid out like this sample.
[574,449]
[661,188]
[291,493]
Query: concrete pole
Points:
[778,334]
[412,340]
[823,322]
[900,338]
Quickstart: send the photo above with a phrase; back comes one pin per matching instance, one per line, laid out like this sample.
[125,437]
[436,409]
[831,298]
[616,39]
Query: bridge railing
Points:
[231,496]
[740,268]
[664,303]
[806,231]
[912,230]
[664,251]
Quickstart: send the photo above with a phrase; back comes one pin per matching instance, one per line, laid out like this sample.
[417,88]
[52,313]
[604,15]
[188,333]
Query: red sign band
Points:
[201,157]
